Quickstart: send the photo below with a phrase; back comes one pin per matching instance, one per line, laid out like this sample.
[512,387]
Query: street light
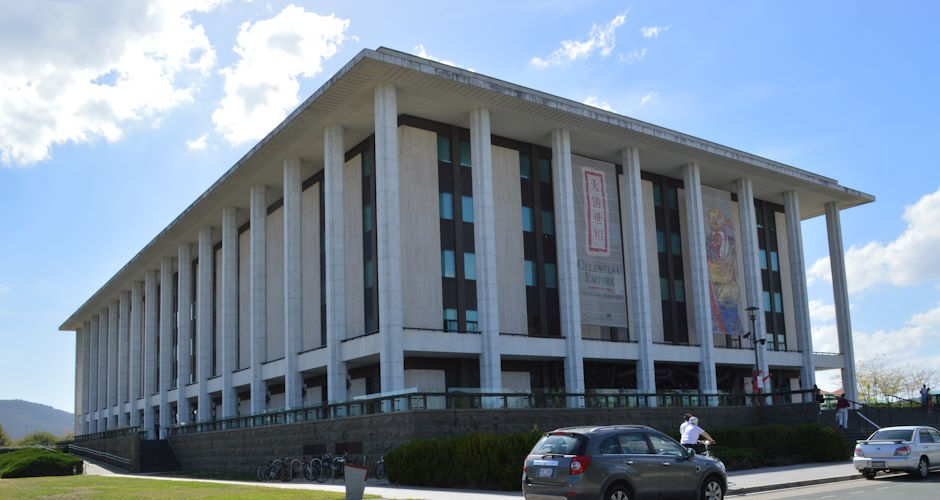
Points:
[752,315]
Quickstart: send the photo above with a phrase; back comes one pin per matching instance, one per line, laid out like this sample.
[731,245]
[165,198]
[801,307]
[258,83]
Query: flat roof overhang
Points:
[443,93]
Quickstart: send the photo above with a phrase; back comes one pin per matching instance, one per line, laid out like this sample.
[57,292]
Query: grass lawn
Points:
[118,487]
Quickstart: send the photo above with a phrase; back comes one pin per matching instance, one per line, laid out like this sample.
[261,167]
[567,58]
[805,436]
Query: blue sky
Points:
[114,119]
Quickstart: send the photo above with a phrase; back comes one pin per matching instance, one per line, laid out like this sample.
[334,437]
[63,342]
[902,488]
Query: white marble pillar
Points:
[166,343]
[334,194]
[840,295]
[112,363]
[93,408]
[258,290]
[150,349]
[293,318]
[124,321]
[77,425]
[184,331]
[634,243]
[229,309]
[484,237]
[135,350]
[388,217]
[86,376]
[804,333]
[103,370]
[753,284]
[204,313]
[698,264]
[566,241]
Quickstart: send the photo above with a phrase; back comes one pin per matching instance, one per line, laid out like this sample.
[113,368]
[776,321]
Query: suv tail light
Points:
[858,451]
[578,464]
[903,451]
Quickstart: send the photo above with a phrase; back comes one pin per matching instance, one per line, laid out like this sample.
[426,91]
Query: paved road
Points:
[899,486]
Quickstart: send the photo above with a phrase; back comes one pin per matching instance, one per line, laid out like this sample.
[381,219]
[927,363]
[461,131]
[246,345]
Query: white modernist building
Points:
[415,225]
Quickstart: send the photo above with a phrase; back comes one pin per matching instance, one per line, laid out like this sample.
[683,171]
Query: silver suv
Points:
[621,462]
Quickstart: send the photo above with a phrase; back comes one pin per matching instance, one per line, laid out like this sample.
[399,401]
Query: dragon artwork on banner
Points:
[724,290]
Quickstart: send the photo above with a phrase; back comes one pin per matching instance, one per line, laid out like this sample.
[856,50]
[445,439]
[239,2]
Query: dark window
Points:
[669,249]
[369,236]
[538,240]
[765,213]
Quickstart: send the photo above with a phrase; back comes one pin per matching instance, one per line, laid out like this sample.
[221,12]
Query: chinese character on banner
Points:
[596,198]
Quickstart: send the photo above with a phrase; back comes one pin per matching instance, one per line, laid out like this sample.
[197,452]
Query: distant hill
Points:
[19,418]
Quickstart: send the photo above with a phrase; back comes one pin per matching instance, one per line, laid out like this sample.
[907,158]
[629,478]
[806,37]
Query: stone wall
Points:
[125,447]
[241,451]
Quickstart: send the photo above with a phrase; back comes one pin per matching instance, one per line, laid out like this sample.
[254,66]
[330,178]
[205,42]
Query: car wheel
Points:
[618,493]
[923,468]
[712,489]
[869,474]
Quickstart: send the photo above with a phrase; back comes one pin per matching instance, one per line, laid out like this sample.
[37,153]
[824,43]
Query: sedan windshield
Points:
[892,435]
[560,444]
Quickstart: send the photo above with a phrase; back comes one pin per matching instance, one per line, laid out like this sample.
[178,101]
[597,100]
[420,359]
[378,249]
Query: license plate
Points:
[877,464]
[546,472]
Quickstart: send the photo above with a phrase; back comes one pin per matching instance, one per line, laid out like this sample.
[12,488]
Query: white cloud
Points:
[197,144]
[261,88]
[632,56]
[421,52]
[910,259]
[653,31]
[647,98]
[820,311]
[600,40]
[78,72]
[597,103]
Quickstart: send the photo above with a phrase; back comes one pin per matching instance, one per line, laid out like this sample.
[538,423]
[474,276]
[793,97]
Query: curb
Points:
[792,484]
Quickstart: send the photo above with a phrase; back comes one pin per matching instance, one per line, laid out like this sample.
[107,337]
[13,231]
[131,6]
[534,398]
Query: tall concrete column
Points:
[166,342]
[184,331]
[77,425]
[150,349]
[93,407]
[86,376]
[569,294]
[293,305]
[204,307]
[388,218]
[124,321]
[804,332]
[103,370]
[634,242]
[257,308]
[484,236]
[698,260]
[112,363]
[753,285]
[840,295]
[229,309]
[334,194]
[135,350]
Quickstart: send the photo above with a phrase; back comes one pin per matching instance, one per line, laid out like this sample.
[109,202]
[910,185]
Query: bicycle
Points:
[305,467]
[339,466]
[326,468]
[379,469]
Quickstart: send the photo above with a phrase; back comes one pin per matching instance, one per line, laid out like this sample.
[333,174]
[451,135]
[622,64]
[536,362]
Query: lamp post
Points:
[752,315]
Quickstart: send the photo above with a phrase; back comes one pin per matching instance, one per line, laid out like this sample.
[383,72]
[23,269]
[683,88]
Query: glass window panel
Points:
[672,195]
[464,153]
[657,195]
[774,264]
[467,207]
[679,286]
[548,222]
[763,259]
[443,148]
[469,266]
[367,277]
[676,243]
[447,206]
[367,218]
[525,166]
[551,276]
[778,302]
[450,320]
[766,301]
[528,220]
[661,241]
[760,216]
[472,321]
[664,288]
[448,266]
[545,170]
[666,446]
[366,163]
[531,279]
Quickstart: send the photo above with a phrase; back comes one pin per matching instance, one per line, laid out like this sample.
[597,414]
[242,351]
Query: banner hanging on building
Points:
[600,251]
[722,252]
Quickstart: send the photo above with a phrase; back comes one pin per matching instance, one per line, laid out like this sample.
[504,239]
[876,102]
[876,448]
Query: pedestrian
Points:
[684,424]
[818,397]
[842,412]
[924,391]
[691,433]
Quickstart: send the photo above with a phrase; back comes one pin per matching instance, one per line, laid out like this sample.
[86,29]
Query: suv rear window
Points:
[892,435]
[560,444]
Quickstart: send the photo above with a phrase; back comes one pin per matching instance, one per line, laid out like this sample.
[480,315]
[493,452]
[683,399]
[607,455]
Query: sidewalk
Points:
[739,482]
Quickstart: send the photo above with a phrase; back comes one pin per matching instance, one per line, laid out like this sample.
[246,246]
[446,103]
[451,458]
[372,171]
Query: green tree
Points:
[4,439]
[38,438]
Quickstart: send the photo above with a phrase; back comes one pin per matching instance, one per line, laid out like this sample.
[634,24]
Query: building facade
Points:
[415,225]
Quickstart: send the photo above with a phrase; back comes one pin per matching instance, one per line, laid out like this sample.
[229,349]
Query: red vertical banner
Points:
[595,193]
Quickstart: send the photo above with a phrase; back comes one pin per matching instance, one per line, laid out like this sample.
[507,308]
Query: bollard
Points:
[356,477]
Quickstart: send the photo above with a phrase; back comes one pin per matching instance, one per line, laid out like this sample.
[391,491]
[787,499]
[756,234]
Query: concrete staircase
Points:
[859,428]
[156,455]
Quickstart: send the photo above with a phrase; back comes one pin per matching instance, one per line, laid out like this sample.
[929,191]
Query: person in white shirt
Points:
[685,423]
[692,432]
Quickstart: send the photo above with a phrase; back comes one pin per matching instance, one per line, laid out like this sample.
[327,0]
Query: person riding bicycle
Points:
[692,432]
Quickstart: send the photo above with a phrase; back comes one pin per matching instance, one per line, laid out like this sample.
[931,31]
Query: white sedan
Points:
[914,449]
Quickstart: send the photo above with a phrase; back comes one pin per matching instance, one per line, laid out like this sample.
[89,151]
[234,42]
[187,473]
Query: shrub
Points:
[35,462]
[484,461]
[781,444]
[739,458]
[38,438]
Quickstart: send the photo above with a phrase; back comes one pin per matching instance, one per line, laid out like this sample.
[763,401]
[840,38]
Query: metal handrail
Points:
[111,433]
[100,456]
